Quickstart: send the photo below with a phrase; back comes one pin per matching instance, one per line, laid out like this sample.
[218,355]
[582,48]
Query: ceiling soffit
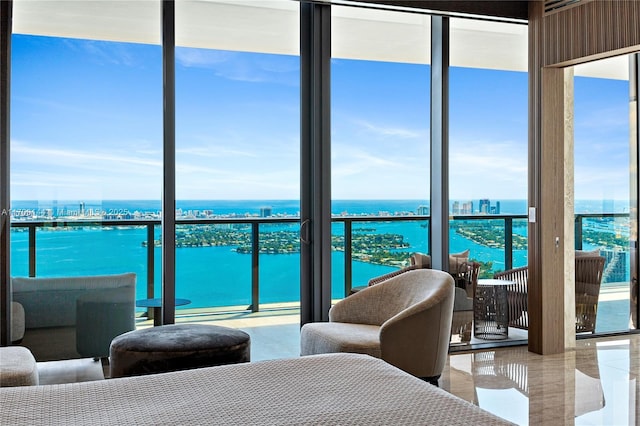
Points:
[272,26]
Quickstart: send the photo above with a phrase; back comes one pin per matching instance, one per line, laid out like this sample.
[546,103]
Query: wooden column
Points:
[550,199]
[550,293]
[569,211]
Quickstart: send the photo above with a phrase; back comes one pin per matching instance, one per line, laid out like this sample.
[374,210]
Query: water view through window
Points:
[86,163]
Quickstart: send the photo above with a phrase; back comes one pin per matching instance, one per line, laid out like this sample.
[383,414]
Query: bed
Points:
[313,390]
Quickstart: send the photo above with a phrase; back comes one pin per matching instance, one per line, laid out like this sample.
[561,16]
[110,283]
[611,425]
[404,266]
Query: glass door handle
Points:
[304,231]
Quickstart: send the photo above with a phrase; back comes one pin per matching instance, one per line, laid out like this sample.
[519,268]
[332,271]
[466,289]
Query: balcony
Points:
[256,285]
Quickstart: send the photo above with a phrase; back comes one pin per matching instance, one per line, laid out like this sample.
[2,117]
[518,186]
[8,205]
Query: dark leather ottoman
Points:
[177,347]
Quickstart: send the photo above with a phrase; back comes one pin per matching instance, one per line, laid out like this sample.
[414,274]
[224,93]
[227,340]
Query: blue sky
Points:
[87,124]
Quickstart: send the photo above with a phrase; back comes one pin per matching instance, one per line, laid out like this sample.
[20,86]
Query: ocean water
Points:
[219,276]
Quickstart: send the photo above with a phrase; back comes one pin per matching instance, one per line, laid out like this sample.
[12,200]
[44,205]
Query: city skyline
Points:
[99,127]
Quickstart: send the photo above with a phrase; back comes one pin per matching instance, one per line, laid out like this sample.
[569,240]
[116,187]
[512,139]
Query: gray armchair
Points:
[405,320]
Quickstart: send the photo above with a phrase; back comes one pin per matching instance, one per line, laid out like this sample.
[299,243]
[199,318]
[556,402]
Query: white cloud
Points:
[201,58]
[350,160]
[242,67]
[104,52]
[480,169]
[24,153]
[216,151]
[388,131]
[46,173]
[233,185]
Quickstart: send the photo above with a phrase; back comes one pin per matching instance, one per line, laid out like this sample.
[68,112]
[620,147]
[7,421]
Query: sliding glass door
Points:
[602,193]
[380,92]
[86,120]
[237,155]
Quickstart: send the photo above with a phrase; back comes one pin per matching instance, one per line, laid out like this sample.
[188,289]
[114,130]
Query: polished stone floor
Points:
[598,383]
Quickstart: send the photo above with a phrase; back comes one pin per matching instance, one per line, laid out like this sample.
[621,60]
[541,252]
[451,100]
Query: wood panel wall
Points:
[591,31]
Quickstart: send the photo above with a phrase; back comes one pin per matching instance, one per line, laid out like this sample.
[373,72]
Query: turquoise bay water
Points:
[219,276]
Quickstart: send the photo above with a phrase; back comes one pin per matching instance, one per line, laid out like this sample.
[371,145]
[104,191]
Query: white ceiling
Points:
[272,26]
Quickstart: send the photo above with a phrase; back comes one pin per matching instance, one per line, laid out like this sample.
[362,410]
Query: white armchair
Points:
[405,320]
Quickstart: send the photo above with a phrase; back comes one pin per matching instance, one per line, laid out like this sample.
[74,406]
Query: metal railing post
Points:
[255,267]
[348,270]
[32,250]
[508,243]
[578,232]
[151,246]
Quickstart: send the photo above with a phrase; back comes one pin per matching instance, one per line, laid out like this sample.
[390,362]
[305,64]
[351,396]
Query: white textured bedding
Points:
[323,389]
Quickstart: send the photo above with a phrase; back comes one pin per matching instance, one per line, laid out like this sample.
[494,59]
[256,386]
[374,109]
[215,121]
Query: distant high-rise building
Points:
[497,207]
[466,208]
[423,210]
[485,206]
[462,207]
[265,211]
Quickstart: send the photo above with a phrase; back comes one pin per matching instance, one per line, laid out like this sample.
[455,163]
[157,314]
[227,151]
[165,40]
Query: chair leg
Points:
[433,380]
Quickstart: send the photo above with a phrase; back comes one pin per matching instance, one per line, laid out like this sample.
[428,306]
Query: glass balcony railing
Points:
[241,263]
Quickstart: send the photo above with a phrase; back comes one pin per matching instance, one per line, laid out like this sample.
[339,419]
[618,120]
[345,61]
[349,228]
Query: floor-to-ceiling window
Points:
[237,154]
[488,140]
[93,111]
[487,154]
[601,189]
[380,141]
[86,138]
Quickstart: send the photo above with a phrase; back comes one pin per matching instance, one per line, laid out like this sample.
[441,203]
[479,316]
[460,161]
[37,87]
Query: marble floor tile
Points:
[595,384]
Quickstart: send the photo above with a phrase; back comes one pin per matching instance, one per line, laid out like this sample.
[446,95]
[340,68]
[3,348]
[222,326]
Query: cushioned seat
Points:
[177,347]
[405,320]
[17,367]
[342,337]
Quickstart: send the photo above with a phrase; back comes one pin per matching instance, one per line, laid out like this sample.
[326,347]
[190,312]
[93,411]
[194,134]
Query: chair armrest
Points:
[415,332]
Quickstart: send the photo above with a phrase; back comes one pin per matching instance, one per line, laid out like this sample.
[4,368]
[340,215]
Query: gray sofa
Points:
[75,317]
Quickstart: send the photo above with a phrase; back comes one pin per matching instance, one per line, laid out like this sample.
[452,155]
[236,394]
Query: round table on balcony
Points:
[491,309]
[156,304]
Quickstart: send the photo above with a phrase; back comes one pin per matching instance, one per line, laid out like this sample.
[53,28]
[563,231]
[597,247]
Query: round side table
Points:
[491,310]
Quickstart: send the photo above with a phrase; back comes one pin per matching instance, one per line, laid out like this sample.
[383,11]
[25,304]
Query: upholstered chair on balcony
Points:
[405,320]
[417,261]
